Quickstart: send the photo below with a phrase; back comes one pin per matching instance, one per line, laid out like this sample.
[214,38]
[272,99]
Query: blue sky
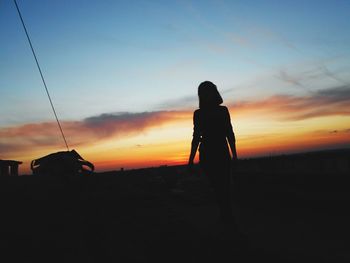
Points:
[116,57]
[111,56]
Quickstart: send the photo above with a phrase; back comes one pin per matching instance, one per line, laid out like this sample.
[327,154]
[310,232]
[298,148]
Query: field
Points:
[170,215]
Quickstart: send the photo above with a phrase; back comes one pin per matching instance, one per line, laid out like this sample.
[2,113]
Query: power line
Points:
[41,74]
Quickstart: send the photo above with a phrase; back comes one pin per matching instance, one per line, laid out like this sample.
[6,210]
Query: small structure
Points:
[9,167]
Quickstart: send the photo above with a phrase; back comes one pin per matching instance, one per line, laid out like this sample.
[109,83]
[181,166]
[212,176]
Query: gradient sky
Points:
[123,76]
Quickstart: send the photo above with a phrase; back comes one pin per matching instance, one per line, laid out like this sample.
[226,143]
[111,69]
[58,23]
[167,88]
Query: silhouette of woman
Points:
[212,130]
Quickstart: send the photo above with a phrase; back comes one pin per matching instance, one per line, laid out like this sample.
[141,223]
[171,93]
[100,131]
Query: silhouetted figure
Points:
[214,134]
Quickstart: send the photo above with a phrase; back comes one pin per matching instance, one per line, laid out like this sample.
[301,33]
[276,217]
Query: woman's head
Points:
[208,95]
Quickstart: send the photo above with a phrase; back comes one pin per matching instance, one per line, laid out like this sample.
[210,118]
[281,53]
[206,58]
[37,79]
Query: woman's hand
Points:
[190,166]
[234,156]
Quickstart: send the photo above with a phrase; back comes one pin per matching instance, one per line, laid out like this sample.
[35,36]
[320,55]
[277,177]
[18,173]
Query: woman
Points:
[212,130]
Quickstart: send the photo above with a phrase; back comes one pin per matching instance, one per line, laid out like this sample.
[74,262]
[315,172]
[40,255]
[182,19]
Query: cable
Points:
[41,74]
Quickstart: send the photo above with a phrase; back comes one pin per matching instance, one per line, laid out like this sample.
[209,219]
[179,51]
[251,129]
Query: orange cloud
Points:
[106,125]
[87,131]
[333,101]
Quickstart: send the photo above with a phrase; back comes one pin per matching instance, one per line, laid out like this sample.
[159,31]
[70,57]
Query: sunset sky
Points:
[123,76]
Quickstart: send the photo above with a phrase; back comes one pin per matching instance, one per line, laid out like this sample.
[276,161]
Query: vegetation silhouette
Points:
[214,135]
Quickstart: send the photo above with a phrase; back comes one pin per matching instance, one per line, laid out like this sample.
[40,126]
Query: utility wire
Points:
[41,74]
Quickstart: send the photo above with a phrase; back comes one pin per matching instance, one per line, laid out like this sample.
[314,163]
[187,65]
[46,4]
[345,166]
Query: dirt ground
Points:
[143,218]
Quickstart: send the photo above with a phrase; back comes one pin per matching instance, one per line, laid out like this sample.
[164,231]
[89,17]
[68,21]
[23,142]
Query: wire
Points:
[41,74]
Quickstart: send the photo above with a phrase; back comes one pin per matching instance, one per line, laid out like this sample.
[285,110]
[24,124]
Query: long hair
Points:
[208,95]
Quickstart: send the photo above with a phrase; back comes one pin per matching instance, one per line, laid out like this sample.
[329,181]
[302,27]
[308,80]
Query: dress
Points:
[212,127]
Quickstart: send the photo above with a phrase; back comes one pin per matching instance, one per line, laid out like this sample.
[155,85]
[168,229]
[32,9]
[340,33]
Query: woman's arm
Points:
[194,146]
[231,136]
[232,142]
[195,139]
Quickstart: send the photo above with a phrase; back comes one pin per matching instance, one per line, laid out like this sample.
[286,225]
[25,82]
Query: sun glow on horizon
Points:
[169,144]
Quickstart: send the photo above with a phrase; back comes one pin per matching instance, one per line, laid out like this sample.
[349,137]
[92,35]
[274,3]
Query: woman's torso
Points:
[212,126]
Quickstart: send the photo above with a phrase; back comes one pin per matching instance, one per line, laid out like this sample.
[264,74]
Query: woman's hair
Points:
[208,95]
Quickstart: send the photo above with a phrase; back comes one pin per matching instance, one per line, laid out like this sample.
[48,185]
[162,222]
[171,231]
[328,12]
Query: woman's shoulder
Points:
[196,114]
[197,111]
[224,111]
[223,108]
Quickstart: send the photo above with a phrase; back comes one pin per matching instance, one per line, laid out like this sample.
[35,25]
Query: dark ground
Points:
[143,218]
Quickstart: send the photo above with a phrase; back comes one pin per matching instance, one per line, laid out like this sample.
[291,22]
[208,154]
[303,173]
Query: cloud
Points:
[185,102]
[24,137]
[283,75]
[325,70]
[333,95]
[8,147]
[92,129]
[325,102]
[125,123]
